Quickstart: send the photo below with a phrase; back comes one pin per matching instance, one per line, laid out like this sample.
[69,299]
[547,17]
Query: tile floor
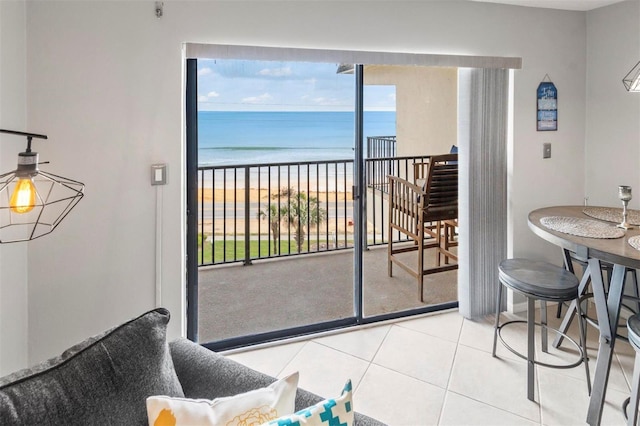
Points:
[438,370]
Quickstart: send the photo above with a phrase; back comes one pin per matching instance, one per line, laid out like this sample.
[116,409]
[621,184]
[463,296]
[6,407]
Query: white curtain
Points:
[482,139]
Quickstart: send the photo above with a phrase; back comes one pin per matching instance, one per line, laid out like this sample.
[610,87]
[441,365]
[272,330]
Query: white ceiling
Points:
[558,4]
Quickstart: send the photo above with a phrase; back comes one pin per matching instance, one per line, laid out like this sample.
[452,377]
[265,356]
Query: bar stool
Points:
[633,328]
[542,281]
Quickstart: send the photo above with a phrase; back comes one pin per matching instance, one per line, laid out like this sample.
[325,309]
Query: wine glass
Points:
[624,193]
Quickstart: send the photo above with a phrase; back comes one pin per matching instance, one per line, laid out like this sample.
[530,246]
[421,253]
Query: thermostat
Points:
[158,174]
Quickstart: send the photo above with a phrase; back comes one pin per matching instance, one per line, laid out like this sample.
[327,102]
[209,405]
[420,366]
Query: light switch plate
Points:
[158,174]
[546,150]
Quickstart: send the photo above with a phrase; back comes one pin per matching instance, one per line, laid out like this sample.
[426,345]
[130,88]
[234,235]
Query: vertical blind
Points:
[483,187]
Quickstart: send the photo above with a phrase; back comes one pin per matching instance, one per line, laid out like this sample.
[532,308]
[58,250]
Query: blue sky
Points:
[238,85]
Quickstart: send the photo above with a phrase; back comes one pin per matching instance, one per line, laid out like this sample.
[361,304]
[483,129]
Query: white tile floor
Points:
[438,370]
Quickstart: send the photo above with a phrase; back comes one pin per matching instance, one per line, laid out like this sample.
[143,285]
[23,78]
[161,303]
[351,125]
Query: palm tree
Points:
[296,209]
[274,217]
[301,211]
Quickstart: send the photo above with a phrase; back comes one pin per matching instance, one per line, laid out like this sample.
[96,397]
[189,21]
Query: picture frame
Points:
[547,106]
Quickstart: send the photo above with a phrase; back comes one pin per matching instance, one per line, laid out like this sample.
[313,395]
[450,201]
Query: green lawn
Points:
[234,250]
[230,250]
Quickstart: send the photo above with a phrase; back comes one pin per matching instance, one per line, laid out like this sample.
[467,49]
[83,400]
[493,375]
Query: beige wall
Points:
[426,106]
[104,80]
[613,115]
[13,257]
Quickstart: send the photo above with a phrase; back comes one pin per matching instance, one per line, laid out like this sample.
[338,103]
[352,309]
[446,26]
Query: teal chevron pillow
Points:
[330,412]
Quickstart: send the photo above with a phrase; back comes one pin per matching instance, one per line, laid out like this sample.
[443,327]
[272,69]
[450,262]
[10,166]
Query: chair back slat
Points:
[441,188]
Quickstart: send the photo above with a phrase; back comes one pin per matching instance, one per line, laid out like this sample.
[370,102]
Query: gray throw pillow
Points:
[104,380]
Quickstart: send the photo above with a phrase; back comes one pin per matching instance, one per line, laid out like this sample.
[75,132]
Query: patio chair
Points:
[446,228]
[413,209]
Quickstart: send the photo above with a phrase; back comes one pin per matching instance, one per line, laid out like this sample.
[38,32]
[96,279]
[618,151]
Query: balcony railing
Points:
[259,211]
[376,172]
[381,146]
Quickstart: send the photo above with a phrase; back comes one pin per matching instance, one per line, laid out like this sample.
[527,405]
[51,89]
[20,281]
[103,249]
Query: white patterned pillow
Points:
[330,412]
[253,407]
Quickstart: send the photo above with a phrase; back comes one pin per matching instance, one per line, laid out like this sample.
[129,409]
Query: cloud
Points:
[323,101]
[261,99]
[208,96]
[275,72]
[204,71]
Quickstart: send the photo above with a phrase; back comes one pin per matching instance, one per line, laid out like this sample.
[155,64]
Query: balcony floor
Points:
[275,294]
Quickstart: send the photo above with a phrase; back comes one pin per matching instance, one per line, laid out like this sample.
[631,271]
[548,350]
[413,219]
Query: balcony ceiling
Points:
[582,5]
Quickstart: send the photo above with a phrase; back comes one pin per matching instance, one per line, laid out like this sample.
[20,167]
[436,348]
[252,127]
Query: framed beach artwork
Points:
[547,99]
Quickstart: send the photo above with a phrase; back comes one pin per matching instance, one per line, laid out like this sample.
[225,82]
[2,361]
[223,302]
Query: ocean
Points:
[233,138]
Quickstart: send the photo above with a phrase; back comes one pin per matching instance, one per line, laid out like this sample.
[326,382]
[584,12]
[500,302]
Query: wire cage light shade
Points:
[632,80]
[33,202]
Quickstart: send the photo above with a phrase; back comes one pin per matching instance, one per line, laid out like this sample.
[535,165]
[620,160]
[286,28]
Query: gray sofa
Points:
[106,379]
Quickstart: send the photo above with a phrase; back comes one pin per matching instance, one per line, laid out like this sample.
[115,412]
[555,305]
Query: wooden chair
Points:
[447,228]
[420,171]
[414,209]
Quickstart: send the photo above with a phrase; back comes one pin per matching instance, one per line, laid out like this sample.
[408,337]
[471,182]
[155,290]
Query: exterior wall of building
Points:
[426,106]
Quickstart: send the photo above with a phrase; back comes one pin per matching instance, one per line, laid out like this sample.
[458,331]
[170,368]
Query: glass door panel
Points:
[275,179]
[419,107]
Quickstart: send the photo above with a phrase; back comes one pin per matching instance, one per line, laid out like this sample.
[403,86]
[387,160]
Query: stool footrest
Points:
[515,352]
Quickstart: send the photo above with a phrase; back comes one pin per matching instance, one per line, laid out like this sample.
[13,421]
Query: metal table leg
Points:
[608,311]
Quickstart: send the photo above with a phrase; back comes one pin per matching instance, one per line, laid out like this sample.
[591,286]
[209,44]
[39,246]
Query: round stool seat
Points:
[633,326]
[538,279]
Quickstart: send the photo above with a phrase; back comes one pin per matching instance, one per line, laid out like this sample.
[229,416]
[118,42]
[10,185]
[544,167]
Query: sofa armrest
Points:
[207,374]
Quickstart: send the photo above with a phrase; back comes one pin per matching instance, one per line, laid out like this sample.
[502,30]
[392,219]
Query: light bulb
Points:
[24,196]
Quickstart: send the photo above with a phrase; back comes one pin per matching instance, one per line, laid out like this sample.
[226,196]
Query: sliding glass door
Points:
[288,165]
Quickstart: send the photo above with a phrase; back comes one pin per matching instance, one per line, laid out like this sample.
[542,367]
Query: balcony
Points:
[283,234]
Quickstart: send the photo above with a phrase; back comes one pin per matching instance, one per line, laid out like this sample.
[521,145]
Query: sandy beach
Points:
[215,200]
[256,195]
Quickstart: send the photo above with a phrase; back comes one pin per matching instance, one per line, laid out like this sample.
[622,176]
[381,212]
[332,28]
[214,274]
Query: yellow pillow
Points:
[254,407]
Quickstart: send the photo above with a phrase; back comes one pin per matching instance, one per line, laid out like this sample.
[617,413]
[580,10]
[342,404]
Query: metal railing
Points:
[376,208]
[381,146]
[383,150]
[259,211]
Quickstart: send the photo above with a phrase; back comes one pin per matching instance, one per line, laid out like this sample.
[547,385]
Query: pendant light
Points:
[33,202]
